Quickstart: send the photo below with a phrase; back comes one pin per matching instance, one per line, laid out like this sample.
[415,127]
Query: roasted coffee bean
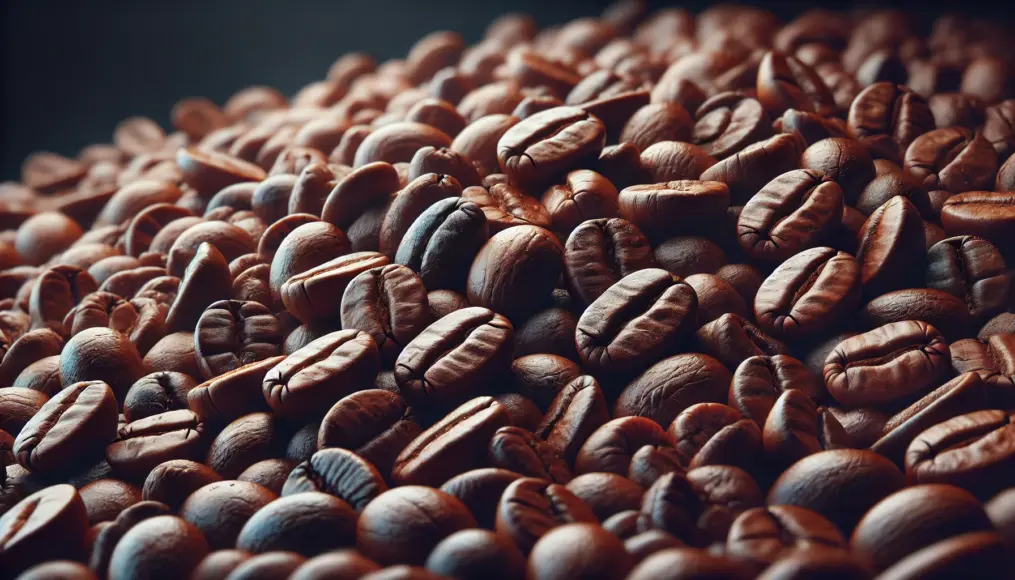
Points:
[689,255]
[531,507]
[340,473]
[762,536]
[611,447]
[795,211]
[983,214]
[729,122]
[889,363]
[443,161]
[686,563]
[231,334]
[172,482]
[404,524]
[748,170]
[398,142]
[842,160]
[992,359]
[954,159]
[786,83]
[480,490]
[42,375]
[579,548]
[455,444]
[891,250]
[796,427]
[939,309]
[671,208]
[17,406]
[886,118]
[364,188]
[205,281]
[55,293]
[244,442]
[44,235]
[409,203]
[323,371]
[673,160]
[71,426]
[377,425]
[879,190]
[519,450]
[389,304]
[732,339]
[160,547]
[972,555]
[506,206]
[575,413]
[515,271]
[314,523]
[600,252]
[305,247]
[233,394]
[105,499]
[476,554]
[714,434]
[453,357]
[914,518]
[868,477]
[982,463]
[672,386]
[268,473]
[807,294]
[442,242]
[662,121]
[549,144]
[48,525]
[312,295]
[614,337]
[478,141]
[963,394]
[142,445]
[542,376]
[344,563]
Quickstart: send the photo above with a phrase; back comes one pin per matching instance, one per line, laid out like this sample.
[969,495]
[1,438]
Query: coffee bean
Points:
[887,364]
[646,206]
[983,214]
[455,444]
[173,481]
[531,507]
[599,252]
[796,211]
[761,536]
[613,337]
[953,159]
[404,524]
[310,295]
[891,248]
[784,82]
[886,118]
[376,425]
[531,159]
[441,243]
[49,524]
[476,554]
[515,271]
[982,466]
[323,371]
[955,556]
[915,518]
[868,477]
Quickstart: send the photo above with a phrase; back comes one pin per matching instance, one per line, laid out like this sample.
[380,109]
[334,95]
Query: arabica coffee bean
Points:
[761,536]
[983,465]
[312,523]
[454,357]
[915,518]
[581,549]
[231,333]
[868,477]
[455,444]
[172,482]
[475,554]
[160,547]
[389,304]
[886,364]
[340,473]
[515,270]
[676,207]
[672,386]
[323,371]
[377,425]
[645,315]
[599,252]
[531,507]
[732,339]
[49,524]
[795,211]
[441,243]
[548,144]
[404,524]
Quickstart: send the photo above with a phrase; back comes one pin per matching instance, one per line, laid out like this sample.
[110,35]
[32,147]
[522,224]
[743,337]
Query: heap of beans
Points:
[639,296]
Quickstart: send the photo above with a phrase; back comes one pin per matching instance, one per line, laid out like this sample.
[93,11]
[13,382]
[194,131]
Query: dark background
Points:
[71,70]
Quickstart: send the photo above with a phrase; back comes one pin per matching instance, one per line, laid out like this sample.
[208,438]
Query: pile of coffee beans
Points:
[663,296]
